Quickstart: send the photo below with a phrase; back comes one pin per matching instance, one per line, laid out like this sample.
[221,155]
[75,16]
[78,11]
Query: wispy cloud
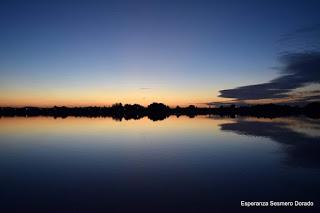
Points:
[302,39]
[302,32]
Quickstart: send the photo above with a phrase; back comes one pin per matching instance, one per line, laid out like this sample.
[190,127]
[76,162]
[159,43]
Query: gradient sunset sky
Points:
[175,52]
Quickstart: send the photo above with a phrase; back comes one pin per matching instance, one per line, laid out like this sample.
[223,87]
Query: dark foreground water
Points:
[181,164]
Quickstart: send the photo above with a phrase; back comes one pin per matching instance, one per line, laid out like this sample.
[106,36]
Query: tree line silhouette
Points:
[160,111]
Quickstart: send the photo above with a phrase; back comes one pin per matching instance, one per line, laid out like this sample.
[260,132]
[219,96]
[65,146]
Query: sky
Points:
[79,53]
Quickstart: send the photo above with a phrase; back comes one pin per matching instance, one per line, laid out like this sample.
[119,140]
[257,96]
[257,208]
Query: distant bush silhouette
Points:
[160,111]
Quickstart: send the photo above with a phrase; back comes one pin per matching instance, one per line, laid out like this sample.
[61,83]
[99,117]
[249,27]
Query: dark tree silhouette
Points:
[160,111]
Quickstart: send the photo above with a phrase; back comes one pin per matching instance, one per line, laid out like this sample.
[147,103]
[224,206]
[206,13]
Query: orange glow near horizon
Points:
[105,97]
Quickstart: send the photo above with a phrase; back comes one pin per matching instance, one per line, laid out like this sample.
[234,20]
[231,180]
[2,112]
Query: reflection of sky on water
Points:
[178,164]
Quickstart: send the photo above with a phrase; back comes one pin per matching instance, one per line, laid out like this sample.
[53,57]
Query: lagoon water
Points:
[201,164]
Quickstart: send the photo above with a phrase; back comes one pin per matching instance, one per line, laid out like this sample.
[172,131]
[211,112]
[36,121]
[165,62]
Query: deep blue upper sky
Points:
[177,52]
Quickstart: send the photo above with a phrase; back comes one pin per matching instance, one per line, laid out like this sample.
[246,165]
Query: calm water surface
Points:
[201,164]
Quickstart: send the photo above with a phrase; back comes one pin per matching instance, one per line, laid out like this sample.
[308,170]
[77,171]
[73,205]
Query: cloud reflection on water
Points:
[299,137]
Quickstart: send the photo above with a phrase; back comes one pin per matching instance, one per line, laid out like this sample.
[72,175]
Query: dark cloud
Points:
[300,66]
[299,69]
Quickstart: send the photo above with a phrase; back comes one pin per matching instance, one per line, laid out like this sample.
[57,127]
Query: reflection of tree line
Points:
[159,111]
